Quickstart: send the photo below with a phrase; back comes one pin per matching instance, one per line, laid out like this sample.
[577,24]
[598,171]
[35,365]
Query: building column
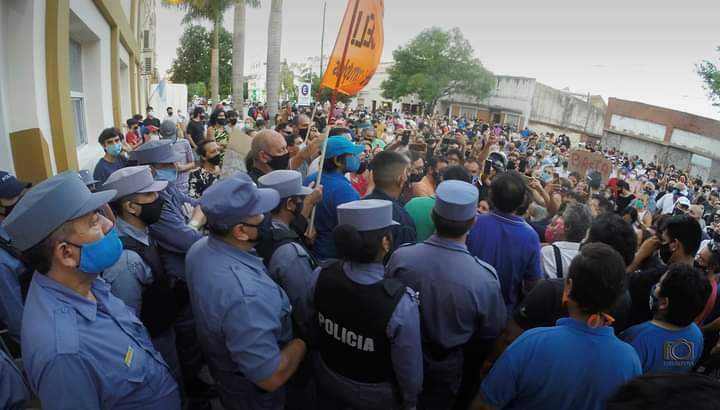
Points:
[57,56]
[133,84]
[115,76]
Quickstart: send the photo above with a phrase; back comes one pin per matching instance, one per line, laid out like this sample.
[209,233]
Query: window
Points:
[146,39]
[148,65]
[77,96]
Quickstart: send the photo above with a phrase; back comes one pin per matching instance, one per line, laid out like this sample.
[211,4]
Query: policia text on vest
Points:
[345,336]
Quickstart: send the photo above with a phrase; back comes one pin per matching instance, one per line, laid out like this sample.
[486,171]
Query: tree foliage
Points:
[192,60]
[287,82]
[436,64]
[710,74]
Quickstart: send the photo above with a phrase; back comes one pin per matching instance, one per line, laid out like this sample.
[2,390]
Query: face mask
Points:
[303,132]
[97,256]
[170,114]
[412,178]
[150,113]
[653,301]
[352,163]
[279,161]
[232,121]
[546,177]
[302,146]
[221,121]
[166,174]
[214,160]
[150,213]
[114,149]
[363,167]
[665,253]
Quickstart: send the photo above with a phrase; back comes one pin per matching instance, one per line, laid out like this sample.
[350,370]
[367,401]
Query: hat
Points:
[86,177]
[10,187]
[233,199]
[456,200]
[682,201]
[133,180]
[338,145]
[286,182]
[155,152]
[366,214]
[48,205]
[151,128]
[168,130]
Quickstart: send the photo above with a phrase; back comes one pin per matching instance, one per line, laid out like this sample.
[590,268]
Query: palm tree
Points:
[273,57]
[210,10]
[238,58]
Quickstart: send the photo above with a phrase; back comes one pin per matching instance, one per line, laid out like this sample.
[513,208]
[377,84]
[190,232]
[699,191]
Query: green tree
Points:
[326,93]
[212,11]
[192,61]
[199,89]
[287,82]
[436,64]
[710,74]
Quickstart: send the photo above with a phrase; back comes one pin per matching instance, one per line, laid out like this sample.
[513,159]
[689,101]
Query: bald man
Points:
[268,152]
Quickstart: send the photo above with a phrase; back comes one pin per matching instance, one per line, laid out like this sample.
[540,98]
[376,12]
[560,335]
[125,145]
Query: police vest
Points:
[352,320]
[279,237]
[161,298]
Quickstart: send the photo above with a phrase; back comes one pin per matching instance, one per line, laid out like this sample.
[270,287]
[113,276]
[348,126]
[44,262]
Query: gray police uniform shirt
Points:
[403,328]
[11,303]
[130,274]
[13,390]
[83,354]
[459,294]
[242,317]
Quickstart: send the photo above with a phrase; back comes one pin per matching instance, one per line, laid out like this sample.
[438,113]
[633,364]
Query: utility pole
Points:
[322,39]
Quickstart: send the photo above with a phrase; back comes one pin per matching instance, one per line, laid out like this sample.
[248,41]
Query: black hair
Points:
[598,275]
[433,162]
[604,204]
[197,111]
[632,212]
[686,230]
[231,113]
[201,150]
[387,166]
[148,108]
[338,131]
[329,164]
[109,133]
[131,121]
[457,173]
[214,116]
[359,246]
[455,152]
[508,191]
[667,391]
[138,117]
[451,229]
[39,256]
[612,230]
[283,202]
[168,108]
[688,290]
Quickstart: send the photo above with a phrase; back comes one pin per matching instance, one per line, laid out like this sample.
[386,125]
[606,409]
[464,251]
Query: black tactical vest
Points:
[352,320]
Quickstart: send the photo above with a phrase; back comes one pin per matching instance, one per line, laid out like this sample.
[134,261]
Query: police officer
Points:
[368,328]
[11,268]
[460,298]
[243,317]
[177,230]
[82,347]
[13,390]
[138,277]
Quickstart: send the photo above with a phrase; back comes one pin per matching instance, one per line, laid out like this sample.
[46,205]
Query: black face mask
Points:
[150,213]
[665,253]
[279,161]
[412,178]
[214,160]
[232,121]
[303,132]
[221,121]
[363,167]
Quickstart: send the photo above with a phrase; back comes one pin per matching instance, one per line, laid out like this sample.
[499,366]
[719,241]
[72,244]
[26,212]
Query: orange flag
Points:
[357,49]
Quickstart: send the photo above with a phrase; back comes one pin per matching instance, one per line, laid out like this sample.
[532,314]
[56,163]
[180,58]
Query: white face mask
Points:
[302,146]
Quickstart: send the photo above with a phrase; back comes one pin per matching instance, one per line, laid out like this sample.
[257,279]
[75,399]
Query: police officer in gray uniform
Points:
[367,327]
[460,299]
[138,277]
[177,230]
[83,348]
[13,390]
[243,317]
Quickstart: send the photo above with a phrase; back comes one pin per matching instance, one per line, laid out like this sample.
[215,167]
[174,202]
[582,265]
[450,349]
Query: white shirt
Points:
[666,203]
[568,251]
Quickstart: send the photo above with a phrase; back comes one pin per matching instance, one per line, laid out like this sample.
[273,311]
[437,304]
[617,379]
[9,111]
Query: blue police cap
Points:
[133,180]
[366,214]
[233,199]
[286,182]
[155,152]
[10,187]
[339,145]
[48,205]
[87,177]
[456,200]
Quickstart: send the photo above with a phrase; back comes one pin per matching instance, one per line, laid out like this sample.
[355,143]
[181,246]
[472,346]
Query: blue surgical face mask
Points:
[97,256]
[352,163]
[114,149]
[166,174]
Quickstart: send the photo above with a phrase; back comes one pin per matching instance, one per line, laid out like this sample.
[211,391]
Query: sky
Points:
[640,50]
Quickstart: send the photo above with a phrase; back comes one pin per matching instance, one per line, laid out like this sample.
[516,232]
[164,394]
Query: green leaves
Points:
[192,61]
[710,74]
[435,64]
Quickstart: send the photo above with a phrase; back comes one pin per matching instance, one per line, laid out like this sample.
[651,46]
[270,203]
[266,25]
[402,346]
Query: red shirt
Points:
[132,138]
[359,183]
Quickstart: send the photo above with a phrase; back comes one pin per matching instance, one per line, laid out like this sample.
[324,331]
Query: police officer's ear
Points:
[238,232]
[63,253]
[290,204]
[131,208]
[386,244]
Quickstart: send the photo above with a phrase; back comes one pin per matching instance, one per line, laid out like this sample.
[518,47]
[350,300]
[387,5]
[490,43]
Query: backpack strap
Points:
[558,262]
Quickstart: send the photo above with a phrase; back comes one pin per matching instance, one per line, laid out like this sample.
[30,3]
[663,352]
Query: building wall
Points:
[513,94]
[554,107]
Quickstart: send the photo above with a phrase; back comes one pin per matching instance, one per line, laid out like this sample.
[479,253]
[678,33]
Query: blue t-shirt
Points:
[663,350]
[511,246]
[103,169]
[567,367]
[337,190]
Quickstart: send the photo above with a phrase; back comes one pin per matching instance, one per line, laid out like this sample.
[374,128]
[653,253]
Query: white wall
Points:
[96,76]
[696,142]
[6,162]
[24,88]
[125,103]
[638,127]
[513,93]
[126,6]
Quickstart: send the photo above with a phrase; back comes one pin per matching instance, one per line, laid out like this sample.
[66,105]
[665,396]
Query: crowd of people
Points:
[348,259]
